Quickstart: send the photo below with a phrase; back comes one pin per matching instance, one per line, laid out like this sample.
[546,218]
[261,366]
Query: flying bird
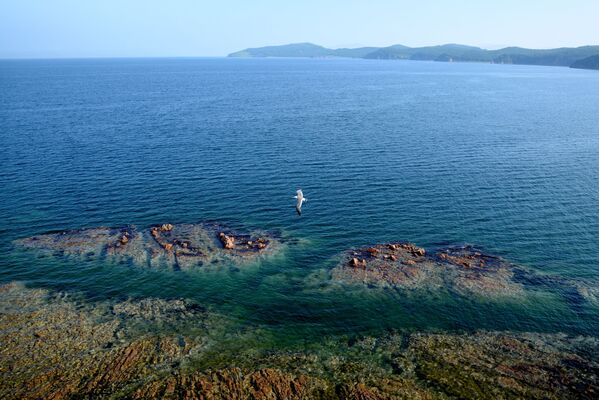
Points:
[300,200]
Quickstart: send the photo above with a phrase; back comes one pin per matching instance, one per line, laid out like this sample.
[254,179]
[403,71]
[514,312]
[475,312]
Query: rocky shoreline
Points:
[180,246]
[56,346]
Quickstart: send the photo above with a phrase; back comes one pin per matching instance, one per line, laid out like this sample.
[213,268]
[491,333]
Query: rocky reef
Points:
[59,346]
[463,270]
[181,246]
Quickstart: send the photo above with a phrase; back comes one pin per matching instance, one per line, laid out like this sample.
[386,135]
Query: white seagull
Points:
[300,200]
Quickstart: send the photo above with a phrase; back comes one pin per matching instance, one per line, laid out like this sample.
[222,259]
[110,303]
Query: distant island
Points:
[586,57]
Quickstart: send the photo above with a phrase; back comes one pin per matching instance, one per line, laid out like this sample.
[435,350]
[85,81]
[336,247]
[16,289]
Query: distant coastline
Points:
[576,57]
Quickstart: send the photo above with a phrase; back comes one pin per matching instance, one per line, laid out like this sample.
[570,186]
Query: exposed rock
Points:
[354,262]
[419,251]
[233,383]
[227,241]
[467,259]
[178,246]
[372,251]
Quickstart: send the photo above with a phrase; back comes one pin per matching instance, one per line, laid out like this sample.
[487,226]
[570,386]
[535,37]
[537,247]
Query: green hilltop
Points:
[576,57]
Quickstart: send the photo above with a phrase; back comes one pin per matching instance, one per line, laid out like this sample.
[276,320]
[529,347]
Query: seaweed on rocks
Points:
[180,246]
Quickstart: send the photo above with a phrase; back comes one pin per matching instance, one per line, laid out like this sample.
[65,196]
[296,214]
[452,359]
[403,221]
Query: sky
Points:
[179,28]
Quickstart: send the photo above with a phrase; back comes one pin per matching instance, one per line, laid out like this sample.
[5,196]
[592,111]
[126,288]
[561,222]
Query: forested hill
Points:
[578,57]
[587,63]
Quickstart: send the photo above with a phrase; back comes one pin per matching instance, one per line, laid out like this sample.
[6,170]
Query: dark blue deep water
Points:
[503,157]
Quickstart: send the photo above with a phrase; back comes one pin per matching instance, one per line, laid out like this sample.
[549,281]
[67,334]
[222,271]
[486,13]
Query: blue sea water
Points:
[500,156]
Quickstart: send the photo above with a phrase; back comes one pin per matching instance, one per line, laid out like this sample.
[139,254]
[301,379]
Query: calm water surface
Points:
[504,157]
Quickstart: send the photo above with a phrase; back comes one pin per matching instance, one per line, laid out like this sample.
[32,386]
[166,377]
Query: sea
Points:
[501,157]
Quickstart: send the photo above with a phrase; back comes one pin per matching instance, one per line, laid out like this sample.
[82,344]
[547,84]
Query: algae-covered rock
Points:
[463,270]
[501,365]
[150,309]
[58,346]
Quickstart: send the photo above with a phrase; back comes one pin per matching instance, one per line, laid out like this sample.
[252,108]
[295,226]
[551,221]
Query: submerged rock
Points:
[150,309]
[404,265]
[59,348]
[179,246]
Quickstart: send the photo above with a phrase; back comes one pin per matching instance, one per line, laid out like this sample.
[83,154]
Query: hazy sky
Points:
[117,28]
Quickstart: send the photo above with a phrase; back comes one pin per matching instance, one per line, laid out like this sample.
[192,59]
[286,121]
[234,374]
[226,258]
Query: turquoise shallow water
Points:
[504,157]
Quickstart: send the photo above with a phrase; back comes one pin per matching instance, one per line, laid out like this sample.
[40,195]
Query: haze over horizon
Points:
[68,28]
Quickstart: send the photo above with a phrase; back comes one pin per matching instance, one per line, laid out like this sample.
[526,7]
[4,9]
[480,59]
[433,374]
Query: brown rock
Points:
[409,262]
[168,246]
[124,239]
[466,260]
[354,262]
[233,383]
[418,251]
[227,241]
[166,227]
[372,251]
[393,257]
